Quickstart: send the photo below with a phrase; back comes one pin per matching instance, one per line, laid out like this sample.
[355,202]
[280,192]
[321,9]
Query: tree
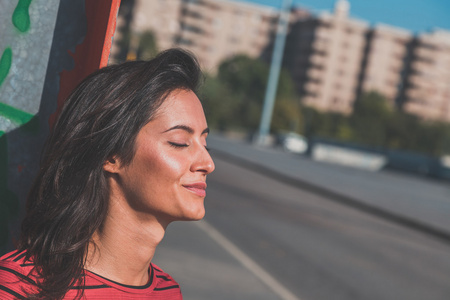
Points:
[328,125]
[147,47]
[218,103]
[402,131]
[371,114]
[374,123]
[235,97]
[287,116]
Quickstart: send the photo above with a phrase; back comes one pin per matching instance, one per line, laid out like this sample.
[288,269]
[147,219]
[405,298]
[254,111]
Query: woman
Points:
[127,157]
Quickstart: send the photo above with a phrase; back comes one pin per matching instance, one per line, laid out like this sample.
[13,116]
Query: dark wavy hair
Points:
[68,201]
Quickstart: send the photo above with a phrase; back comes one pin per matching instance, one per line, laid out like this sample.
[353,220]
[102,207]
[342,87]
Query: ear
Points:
[112,165]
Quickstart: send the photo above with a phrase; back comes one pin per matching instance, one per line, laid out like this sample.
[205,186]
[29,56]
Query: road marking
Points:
[249,263]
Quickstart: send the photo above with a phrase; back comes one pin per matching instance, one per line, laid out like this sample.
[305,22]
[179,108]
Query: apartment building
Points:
[333,58]
[385,62]
[325,54]
[162,17]
[212,29]
[215,29]
[427,91]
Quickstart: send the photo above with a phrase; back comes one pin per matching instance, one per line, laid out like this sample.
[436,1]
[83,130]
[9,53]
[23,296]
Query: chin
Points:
[195,215]
[200,216]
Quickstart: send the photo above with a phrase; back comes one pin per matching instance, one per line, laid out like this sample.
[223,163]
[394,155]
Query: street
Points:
[314,247]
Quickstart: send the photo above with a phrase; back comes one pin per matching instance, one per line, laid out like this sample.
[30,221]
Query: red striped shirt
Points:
[15,281]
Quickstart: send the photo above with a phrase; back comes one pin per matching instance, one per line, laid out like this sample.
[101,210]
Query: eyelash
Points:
[176,145]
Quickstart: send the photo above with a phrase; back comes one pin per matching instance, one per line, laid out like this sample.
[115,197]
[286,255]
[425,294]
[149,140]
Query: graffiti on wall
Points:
[21,20]
[46,47]
[26,30]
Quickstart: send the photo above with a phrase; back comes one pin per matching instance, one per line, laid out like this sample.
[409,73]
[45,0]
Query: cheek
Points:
[170,168]
[158,166]
[172,165]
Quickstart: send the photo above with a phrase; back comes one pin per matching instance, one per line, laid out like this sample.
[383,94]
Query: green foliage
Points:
[369,119]
[244,80]
[287,116]
[147,48]
[374,123]
[329,125]
[146,44]
[402,131]
[233,101]
[234,98]
[218,103]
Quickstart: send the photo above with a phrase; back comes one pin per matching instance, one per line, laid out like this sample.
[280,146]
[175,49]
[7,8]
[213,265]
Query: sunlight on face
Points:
[167,176]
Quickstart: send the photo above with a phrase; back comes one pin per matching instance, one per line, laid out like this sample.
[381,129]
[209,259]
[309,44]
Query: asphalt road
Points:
[417,201]
[313,247]
[265,238]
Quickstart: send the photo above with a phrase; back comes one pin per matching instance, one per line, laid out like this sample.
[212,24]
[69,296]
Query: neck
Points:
[125,245]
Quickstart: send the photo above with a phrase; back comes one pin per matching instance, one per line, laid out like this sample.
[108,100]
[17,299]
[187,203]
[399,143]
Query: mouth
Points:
[198,188]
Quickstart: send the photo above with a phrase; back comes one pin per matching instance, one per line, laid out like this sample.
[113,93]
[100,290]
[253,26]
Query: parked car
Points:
[293,142]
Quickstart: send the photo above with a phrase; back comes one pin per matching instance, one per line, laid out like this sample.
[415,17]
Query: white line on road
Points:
[249,263]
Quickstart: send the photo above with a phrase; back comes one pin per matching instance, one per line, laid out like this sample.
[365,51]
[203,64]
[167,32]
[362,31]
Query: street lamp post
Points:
[272,83]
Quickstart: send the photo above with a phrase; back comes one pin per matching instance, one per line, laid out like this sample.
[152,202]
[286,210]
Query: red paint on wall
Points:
[93,53]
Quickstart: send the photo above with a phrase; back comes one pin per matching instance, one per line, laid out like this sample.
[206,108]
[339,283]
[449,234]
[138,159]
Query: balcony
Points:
[312,88]
[424,53]
[318,60]
[315,73]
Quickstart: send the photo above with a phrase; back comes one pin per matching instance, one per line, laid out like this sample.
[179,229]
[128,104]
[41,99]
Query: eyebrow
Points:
[186,128]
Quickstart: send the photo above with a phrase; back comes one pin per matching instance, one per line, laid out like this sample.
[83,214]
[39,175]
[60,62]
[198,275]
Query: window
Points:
[192,28]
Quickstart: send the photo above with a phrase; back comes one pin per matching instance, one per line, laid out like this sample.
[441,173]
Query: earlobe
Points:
[112,165]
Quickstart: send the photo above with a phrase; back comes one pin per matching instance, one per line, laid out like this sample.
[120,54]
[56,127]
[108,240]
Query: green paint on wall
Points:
[21,16]
[16,116]
[5,64]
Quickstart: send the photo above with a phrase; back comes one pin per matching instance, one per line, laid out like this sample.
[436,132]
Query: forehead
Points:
[181,107]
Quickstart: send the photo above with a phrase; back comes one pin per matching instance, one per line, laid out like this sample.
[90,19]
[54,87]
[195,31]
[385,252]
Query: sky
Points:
[413,15]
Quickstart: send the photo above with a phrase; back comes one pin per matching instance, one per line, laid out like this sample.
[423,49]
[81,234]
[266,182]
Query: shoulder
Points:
[15,278]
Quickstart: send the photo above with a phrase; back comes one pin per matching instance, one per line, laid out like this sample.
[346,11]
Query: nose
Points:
[203,162]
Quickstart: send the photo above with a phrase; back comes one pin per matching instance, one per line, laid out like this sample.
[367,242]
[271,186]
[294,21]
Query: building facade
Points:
[325,55]
[215,30]
[427,91]
[385,63]
[212,29]
[332,57]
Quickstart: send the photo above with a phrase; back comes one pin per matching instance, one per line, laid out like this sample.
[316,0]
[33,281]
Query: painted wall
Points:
[46,48]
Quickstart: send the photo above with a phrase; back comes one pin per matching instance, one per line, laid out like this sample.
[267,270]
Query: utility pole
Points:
[272,83]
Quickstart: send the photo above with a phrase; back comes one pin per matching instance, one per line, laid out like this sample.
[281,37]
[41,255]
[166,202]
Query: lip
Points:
[198,188]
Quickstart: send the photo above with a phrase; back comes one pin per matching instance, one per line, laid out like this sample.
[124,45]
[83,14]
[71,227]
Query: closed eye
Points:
[177,145]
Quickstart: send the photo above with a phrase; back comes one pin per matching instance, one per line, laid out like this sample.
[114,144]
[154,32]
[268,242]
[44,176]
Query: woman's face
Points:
[167,177]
